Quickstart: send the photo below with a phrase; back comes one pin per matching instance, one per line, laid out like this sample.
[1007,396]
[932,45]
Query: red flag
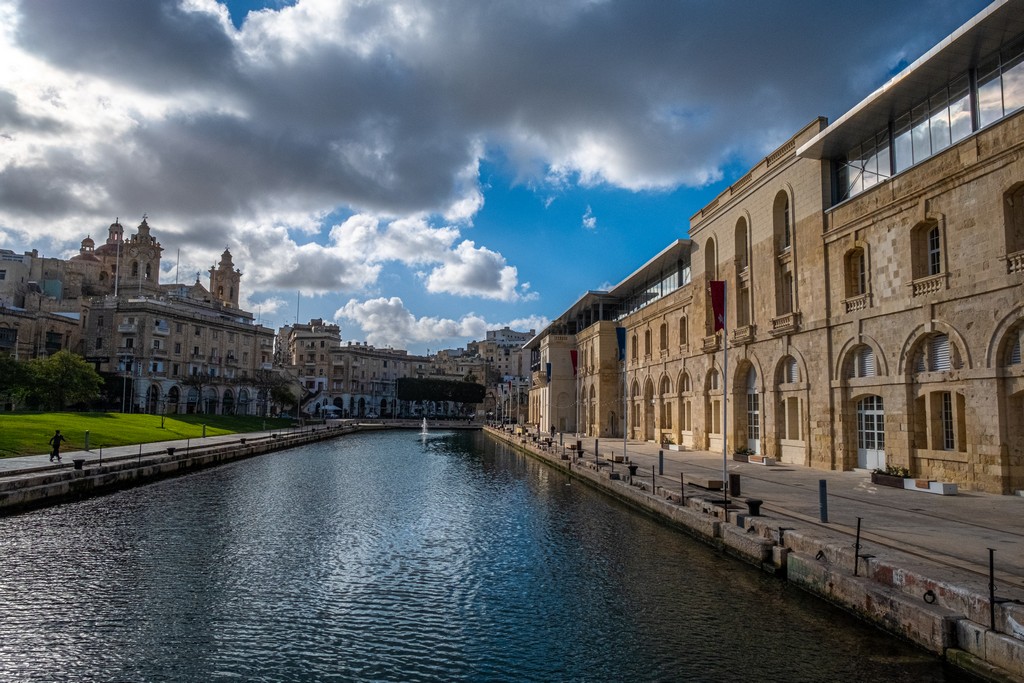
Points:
[574,355]
[717,288]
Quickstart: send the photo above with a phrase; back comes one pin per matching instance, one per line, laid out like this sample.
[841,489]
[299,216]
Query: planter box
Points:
[741,457]
[760,460]
[887,480]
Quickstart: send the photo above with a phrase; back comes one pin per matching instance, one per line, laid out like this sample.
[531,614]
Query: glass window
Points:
[904,147]
[934,252]
[1013,86]
[990,98]
[938,122]
[959,109]
[920,135]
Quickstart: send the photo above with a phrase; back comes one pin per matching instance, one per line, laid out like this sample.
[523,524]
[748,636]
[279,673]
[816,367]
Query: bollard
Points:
[661,462]
[682,489]
[856,550]
[823,500]
[86,439]
[653,480]
[204,431]
[754,507]
[596,442]
[991,589]
[734,484]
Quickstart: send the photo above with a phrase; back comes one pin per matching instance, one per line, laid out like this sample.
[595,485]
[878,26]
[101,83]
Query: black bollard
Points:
[682,489]
[661,462]
[653,481]
[823,500]
[856,550]
[734,484]
[991,589]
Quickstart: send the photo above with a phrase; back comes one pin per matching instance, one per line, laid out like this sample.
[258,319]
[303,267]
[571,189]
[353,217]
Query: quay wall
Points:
[48,486]
[914,600]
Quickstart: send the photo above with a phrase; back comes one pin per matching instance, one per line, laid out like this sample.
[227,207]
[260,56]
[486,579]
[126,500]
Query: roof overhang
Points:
[984,34]
[656,265]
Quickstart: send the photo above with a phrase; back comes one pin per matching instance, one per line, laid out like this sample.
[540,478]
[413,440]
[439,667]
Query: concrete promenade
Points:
[955,531]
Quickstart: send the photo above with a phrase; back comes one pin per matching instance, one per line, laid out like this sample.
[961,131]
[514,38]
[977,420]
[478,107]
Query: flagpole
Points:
[725,392]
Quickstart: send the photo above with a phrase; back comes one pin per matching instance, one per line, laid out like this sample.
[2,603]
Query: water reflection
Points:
[396,557]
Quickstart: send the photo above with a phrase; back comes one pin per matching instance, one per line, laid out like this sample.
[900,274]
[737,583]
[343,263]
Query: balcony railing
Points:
[786,323]
[744,335]
[162,330]
[1015,262]
[857,303]
[711,343]
[928,285]
[129,328]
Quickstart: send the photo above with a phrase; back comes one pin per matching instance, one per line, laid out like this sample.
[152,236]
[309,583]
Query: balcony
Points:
[743,335]
[266,366]
[160,353]
[929,285]
[1015,262]
[215,359]
[128,328]
[711,343]
[161,330]
[786,323]
[231,360]
[126,351]
[857,303]
[540,379]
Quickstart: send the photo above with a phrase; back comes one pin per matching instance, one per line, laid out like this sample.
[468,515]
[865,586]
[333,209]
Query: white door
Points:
[870,433]
[753,415]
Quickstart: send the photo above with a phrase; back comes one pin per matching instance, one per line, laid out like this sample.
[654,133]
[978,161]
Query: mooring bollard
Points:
[661,462]
[86,439]
[856,550]
[734,484]
[992,589]
[682,489]
[204,431]
[654,482]
[823,500]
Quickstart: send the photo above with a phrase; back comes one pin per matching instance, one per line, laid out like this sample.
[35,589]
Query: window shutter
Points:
[938,347]
[792,371]
[1015,353]
[866,362]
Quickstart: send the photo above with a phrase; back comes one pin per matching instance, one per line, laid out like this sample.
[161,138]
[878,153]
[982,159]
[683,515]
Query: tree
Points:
[63,379]
[14,378]
[199,380]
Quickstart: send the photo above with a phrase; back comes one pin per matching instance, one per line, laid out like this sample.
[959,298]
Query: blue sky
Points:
[418,171]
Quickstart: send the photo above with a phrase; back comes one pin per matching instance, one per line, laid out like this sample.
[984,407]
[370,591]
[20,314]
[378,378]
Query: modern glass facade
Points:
[967,103]
[669,281]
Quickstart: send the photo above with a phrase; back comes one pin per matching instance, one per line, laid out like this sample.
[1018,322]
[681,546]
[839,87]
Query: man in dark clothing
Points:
[55,442]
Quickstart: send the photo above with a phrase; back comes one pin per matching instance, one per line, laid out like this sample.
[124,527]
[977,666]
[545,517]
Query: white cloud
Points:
[471,270]
[589,219]
[387,322]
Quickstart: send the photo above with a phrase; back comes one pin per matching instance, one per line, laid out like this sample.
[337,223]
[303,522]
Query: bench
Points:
[705,483]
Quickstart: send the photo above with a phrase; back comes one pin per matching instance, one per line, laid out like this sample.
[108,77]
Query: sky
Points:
[417,171]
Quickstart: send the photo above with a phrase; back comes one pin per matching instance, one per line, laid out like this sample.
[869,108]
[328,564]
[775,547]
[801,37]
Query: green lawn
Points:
[29,433]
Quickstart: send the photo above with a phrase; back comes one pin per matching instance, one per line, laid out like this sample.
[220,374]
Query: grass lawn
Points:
[29,433]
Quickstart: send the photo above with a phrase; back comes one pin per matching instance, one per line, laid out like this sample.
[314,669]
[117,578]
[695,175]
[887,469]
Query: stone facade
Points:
[874,275]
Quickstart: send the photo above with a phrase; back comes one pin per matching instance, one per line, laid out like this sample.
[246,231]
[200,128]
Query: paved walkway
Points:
[953,531]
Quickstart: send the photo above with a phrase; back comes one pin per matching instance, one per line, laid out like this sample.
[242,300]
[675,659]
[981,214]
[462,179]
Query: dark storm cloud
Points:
[13,119]
[154,45]
[385,107]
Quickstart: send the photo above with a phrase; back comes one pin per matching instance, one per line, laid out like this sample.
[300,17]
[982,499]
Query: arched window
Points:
[1013,223]
[856,273]
[149,271]
[666,386]
[135,268]
[926,250]
[685,383]
[741,248]
[936,354]
[647,342]
[789,371]
[663,337]
[684,333]
[782,219]
[633,347]
[710,260]
[862,362]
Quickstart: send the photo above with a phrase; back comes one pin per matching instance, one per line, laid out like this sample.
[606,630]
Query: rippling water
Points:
[387,557]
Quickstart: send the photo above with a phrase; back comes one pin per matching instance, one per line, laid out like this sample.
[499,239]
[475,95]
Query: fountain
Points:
[423,429]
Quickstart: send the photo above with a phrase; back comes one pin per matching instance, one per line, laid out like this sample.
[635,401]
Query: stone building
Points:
[874,279]
[179,348]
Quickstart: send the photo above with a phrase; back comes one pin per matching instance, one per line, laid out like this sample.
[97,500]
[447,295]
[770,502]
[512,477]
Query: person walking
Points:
[55,441]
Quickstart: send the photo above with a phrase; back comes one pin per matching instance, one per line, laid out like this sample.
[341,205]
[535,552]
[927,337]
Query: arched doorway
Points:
[228,406]
[870,433]
[152,399]
[173,399]
[753,414]
[243,402]
[649,411]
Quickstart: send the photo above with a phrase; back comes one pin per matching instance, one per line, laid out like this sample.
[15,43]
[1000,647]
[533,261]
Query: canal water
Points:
[396,557]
